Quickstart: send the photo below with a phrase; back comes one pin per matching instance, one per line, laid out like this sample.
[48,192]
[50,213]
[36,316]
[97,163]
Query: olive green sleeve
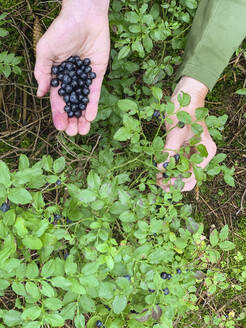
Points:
[218,28]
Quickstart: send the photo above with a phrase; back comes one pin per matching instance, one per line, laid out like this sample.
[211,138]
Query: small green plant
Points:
[8,61]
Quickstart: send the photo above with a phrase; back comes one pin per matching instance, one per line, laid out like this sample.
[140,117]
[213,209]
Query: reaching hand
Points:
[80,29]
[178,137]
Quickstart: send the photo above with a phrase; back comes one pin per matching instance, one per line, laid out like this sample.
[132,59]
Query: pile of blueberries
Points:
[74,76]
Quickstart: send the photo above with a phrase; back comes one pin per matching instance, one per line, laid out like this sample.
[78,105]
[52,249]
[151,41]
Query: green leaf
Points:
[3,284]
[229,180]
[127,216]
[158,144]
[3,32]
[126,105]
[31,313]
[201,113]
[19,288]
[12,318]
[202,150]
[157,93]
[79,321]
[184,117]
[23,162]
[196,158]
[47,290]
[226,245]
[55,320]
[241,92]
[20,227]
[184,99]
[119,304]
[53,303]
[33,324]
[4,174]
[61,282]
[137,46]
[124,51]
[87,304]
[19,196]
[32,289]
[32,270]
[224,233]
[87,196]
[122,134]
[196,128]
[214,238]
[170,108]
[59,165]
[32,242]
[6,70]
[48,268]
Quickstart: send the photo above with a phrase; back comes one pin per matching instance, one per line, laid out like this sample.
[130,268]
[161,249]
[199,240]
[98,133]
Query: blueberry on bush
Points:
[181,124]
[165,165]
[165,176]
[76,76]
[127,277]
[166,291]
[176,157]
[5,207]
[99,323]
[58,182]
[178,271]
[164,275]
[169,276]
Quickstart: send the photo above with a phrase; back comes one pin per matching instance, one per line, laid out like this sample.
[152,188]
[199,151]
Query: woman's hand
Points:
[178,137]
[80,29]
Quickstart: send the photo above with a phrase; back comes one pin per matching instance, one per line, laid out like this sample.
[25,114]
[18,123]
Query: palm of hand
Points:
[86,37]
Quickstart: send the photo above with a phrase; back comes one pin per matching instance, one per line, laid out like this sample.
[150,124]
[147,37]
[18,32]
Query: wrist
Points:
[191,86]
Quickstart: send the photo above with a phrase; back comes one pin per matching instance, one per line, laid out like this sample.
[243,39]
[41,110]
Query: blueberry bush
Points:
[87,238]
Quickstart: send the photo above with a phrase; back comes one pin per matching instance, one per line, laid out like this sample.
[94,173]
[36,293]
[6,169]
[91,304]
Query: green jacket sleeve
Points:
[218,28]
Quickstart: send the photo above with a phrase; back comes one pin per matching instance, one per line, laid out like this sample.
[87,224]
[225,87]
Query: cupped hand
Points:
[178,137]
[80,29]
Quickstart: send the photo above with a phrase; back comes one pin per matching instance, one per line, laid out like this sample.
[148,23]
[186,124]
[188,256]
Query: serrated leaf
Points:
[127,105]
[4,174]
[226,245]
[124,51]
[19,196]
[59,165]
[184,117]
[184,99]
[229,180]
[122,134]
[157,93]
[224,233]
[214,238]
[3,32]
[32,242]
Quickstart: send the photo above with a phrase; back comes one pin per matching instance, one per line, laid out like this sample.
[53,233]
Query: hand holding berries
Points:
[81,29]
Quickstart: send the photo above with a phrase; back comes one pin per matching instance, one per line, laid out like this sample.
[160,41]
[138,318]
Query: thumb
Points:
[42,70]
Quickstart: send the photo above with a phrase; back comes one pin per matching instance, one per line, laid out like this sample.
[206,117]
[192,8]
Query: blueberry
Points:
[83,76]
[54,82]
[88,82]
[85,100]
[176,157]
[86,91]
[55,70]
[63,85]
[79,63]
[80,97]
[107,307]
[88,69]
[74,84]
[72,74]
[67,79]
[82,107]
[71,59]
[226,316]
[78,91]
[164,275]
[92,75]
[165,176]
[178,271]
[78,114]
[61,92]
[68,88]
[80,72]
[70,114]
[127,277]
[86,61]
[77,58]
[81,83]
[66,98]
[74,107]
[66,254]
[68,221]
[74,98]
[169,276]
[58,182]
[5,207]
[151,290]
[156,113]
[99,323]
[166,291]
[69,66]
[63,65]
[181,124]
[154,163]
[165,165]
[60,76]
[57,217]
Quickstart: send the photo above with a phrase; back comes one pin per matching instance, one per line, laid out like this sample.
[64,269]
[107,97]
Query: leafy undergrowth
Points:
[86,235]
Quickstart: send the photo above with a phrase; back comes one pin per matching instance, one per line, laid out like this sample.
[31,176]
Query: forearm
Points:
[101,5]
[217,30]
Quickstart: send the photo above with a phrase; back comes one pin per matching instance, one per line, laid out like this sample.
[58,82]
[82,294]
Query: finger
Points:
[175,139]
[83,126]
[60,118]
[72,128]
[42,69]
[95,90]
